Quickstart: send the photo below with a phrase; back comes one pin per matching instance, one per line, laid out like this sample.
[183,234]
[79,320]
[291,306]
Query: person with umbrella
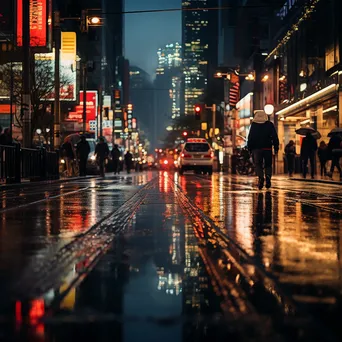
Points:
[262,137]
[308,152]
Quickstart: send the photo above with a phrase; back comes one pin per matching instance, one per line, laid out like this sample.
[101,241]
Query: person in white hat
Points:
[262,137]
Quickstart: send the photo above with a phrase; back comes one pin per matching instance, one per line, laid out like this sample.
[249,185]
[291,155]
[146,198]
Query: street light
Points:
[95,20]
[269,109]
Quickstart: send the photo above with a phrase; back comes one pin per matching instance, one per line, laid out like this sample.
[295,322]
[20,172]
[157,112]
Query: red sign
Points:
[91,102]
[38,23]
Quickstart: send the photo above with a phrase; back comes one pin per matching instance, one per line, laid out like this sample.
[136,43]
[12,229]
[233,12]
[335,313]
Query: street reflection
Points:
[296,240]
[153,272]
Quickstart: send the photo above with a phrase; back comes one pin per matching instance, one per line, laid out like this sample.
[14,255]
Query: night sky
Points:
[144,33]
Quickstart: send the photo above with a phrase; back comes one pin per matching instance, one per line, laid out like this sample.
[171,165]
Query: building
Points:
[199,31]
[142,98]
[302,72]
[167,85]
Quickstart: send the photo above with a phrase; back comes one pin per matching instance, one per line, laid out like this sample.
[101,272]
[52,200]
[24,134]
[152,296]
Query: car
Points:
[166,164]
[92,166]
[197,156]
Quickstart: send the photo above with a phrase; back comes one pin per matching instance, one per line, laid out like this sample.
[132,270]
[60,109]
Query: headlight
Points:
[62,161]
[120,158]
[92,158]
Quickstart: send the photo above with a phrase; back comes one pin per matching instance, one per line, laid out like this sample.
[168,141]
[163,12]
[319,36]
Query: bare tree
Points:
[42,84]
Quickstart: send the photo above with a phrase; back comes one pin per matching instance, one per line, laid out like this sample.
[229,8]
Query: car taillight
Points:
[185,155]
[211,155]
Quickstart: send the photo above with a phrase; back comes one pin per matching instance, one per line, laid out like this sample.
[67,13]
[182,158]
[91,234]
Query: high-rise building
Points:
[168,79]
[141,96]
[167,85]
[199,30]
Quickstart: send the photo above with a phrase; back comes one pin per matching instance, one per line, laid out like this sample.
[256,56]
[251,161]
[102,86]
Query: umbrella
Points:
[306,130]
[335,131]
[73,138]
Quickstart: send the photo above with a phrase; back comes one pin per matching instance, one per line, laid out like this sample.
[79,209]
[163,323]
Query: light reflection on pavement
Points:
[163,280]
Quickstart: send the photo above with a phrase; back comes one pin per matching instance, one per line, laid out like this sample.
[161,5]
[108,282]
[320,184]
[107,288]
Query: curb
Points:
[55,181]
[321,181]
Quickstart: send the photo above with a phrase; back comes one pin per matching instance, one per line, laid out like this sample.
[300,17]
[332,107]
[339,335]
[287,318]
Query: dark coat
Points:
[101,150]
[263,136]
[309,146]
[68,151]
[116,154]
[290,150]
[83,149]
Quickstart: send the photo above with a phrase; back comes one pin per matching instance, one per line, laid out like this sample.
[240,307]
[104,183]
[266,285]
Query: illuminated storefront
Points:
[245,110]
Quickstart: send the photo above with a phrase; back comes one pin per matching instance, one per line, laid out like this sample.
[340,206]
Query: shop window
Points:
[332,57]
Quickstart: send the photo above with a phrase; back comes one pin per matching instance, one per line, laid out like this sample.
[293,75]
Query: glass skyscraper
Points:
[196,55]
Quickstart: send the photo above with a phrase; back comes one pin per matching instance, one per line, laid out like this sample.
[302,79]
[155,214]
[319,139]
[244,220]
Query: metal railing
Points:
[8,163]
[18,163]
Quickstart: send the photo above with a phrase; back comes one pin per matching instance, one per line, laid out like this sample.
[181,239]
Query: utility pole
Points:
[84,74]
[26,98]
[214,121]
[57,109]
[101,111]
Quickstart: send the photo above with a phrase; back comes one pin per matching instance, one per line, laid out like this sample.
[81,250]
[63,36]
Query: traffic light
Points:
[185,134]
[198,110]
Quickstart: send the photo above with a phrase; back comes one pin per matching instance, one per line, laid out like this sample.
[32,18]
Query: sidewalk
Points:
[318,179]
[24,182]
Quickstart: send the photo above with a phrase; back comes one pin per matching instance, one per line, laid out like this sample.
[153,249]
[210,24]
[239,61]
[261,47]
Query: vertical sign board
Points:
[39,23]
[91,103]
[129,117]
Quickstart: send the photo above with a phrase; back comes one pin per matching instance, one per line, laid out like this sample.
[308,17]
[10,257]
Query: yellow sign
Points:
[68,44]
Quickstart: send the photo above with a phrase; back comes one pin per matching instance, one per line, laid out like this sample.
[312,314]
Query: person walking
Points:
[68,153]
[335,149]
[83,150]
[116,154]
[128,161]
[262,137]
[101,152]
[323,155]
[290,153]
[308,152]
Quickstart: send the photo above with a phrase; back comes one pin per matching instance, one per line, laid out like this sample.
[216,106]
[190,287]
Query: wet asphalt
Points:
[155,256]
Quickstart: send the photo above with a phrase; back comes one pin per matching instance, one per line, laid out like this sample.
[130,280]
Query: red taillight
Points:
[211,155]
[185,155]
[166,162]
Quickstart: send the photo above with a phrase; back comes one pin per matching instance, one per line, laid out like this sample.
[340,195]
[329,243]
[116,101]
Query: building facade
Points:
[302,72]
[142,99]
[199,31]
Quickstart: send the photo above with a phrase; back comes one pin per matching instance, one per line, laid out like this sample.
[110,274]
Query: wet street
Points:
[156,256]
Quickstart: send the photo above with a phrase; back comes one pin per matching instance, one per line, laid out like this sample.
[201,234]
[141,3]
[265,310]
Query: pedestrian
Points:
[116,154]
[262,137]
[2,137]
[83,150]
[290,153]
[101,152]
[307,153]
[335,150]
[69,156]
[128,161]
[323,155]
[8,137]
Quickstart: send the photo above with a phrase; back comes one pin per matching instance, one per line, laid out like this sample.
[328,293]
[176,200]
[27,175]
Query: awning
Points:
[309,101]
